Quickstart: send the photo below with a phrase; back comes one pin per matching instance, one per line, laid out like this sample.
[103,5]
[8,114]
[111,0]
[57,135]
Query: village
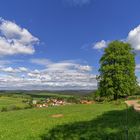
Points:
[50,102]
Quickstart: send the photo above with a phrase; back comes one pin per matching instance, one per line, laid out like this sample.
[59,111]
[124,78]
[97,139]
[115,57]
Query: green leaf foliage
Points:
[117,71]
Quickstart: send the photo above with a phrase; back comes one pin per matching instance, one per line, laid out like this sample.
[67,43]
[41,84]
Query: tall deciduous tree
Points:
[117,71]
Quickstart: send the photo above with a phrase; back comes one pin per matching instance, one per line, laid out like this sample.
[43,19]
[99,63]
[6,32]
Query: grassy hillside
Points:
[100,121]
[7,102]
[43,95]
[35,124]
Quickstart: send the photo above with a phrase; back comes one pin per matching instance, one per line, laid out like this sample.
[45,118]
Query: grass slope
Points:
[11,101]
[79,122]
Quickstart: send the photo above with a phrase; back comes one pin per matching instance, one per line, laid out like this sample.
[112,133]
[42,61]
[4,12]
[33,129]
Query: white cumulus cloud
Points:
[13,70]
[15,40]
[134,38]
[41,61]
[56,75]
[137,67]
[100,45]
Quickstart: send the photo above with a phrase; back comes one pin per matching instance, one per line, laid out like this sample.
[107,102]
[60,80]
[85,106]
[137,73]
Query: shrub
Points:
[4,109]
[73,100]
[28,107]
[25,101]
[14,107]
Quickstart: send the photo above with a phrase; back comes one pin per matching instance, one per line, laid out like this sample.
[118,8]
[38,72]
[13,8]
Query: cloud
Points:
[22,69]
[77,2]
[5,62]
[41,61]
[62,65]
[13,70]
[134,38]
[56,75]
[85,68]
[100,45]
[15,40]
[137,67]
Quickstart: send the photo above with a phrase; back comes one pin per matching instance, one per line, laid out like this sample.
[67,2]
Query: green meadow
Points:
[7,102]
[99,121]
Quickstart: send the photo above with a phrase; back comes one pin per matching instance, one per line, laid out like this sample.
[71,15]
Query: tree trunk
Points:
[115,96]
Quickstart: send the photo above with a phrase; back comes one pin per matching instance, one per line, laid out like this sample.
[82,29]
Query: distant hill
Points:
[69,92]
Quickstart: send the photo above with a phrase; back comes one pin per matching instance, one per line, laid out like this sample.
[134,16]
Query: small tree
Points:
[117,71]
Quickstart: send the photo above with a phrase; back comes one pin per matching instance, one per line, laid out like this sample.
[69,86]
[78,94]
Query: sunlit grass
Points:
[32,124]
[11,101]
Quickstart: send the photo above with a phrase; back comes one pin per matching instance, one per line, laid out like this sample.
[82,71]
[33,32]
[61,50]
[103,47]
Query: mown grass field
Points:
[100,121]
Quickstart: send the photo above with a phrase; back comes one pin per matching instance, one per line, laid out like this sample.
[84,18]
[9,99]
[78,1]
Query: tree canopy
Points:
[117,71]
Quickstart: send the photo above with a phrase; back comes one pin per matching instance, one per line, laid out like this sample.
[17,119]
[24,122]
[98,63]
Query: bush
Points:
[73,100]
[4,109]
[14,107]
[25,101]
[96,96]
[28,107]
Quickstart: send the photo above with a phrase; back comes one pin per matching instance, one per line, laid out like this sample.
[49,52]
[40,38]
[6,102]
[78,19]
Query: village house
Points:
[49,102]
[86,102]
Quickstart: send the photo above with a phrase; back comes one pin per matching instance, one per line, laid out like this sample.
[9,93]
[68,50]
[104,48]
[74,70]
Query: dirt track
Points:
[134,104]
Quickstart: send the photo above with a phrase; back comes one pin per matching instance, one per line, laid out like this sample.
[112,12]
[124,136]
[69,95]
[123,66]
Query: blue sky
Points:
[57,44]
